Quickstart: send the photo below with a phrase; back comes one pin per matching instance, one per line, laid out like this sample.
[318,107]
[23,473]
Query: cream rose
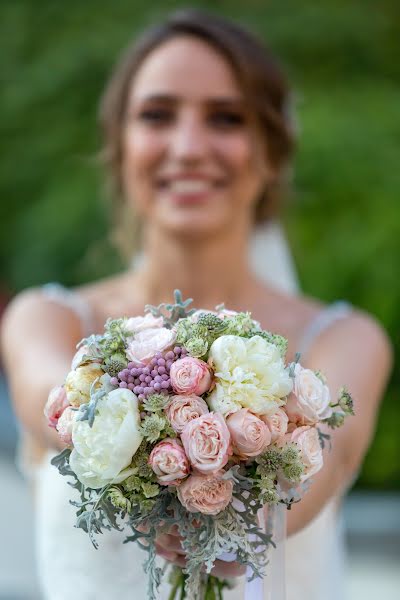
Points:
[78,383]
[309,402]
[207,494]
[277,424]
[103,451]
[148,342]
[251,373]
[182,409]
[249,434]
[168,461]
[190,375]
[207,442]
[306,439]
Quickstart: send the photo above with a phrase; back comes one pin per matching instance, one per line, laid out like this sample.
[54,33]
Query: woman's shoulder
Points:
[32,313]
[327,328]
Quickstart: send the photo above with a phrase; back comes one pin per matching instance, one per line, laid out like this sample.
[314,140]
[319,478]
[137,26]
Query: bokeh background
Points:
[342,220]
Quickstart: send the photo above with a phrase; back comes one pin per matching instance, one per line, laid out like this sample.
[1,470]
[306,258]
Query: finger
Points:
[228,569]
[171,543]
[166,554]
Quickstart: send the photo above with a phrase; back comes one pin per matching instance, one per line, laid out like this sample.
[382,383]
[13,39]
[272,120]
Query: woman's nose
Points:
[189,140]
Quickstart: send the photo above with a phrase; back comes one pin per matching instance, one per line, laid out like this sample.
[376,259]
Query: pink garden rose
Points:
[276,423]
[56,404]
[168,461]
[310,399]
[208,494]
[190,376]
[207,442]
[148,321]
[306,439]
[249,434]
[65,425]
[182,409]
[148,342]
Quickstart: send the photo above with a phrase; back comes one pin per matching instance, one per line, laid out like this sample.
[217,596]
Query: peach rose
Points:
[309,402]
[306,439]
[207,442]
[65,425]
[249,434]
[168,461]
[56,404]
[190,376]
[182,409]
[276,423]
[148,342]
[208,494]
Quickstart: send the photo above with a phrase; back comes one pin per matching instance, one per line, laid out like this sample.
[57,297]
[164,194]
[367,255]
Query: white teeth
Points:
[189,186]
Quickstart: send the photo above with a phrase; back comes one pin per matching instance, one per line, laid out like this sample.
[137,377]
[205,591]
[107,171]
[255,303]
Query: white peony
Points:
[78,382]
[103,451]
[250,373]
[219,401]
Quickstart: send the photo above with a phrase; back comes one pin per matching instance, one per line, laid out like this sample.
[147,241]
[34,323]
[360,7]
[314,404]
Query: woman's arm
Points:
[38,339]
[355,353]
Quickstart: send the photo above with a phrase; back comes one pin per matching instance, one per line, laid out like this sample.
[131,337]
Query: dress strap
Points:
[72,300]
[323,320]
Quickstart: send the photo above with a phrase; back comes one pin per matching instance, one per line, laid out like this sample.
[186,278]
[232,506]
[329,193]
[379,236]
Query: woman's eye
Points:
[227,119]
[156,116]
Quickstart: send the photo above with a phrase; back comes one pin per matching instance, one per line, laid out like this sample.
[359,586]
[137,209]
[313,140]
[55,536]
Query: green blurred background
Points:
[343,222]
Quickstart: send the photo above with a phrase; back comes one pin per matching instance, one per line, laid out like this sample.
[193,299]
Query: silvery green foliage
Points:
[171,313]
[87,411]
[93,352]
[95,511]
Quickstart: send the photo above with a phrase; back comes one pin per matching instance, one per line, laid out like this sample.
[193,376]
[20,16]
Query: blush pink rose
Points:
[207,494]
[306,439]
[149,321]
[249,434]
[56,404]
[277,424]
[148,342]
[207,442]
[65,425]
[182,409]
[190,376]
[169,462]
[310,399]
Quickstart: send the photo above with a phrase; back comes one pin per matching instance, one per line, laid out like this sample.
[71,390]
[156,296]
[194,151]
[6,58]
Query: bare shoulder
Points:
[36,321]
[359,335]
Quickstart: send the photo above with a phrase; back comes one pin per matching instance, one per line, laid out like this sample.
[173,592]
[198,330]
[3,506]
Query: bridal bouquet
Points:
[192,419]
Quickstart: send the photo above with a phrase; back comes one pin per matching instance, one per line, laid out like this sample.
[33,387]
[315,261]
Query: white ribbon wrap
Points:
[272,520]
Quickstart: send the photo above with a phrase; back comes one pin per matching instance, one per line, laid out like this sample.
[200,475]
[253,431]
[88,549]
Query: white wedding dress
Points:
[70,568]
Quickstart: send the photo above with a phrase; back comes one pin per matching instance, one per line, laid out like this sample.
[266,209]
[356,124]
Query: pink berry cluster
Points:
[145,380]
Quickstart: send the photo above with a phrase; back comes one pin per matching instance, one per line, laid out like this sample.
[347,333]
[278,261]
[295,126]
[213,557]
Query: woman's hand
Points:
[168,545]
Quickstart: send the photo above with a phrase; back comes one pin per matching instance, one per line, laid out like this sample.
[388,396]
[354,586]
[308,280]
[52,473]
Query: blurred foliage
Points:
[344,221]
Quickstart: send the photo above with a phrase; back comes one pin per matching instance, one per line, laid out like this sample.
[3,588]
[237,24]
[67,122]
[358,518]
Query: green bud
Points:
[115,363]
[196,347]
[118,500]
[150,489]
[293,472]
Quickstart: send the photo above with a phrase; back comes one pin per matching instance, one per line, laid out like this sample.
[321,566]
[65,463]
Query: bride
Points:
[197,142]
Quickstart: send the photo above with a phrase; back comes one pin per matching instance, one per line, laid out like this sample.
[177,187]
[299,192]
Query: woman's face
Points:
[192,162]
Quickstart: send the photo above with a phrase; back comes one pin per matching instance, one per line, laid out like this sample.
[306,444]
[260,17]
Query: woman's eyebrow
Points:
[214,101]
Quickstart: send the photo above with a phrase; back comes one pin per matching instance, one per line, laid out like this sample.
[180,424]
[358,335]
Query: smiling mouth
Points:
[189,187]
